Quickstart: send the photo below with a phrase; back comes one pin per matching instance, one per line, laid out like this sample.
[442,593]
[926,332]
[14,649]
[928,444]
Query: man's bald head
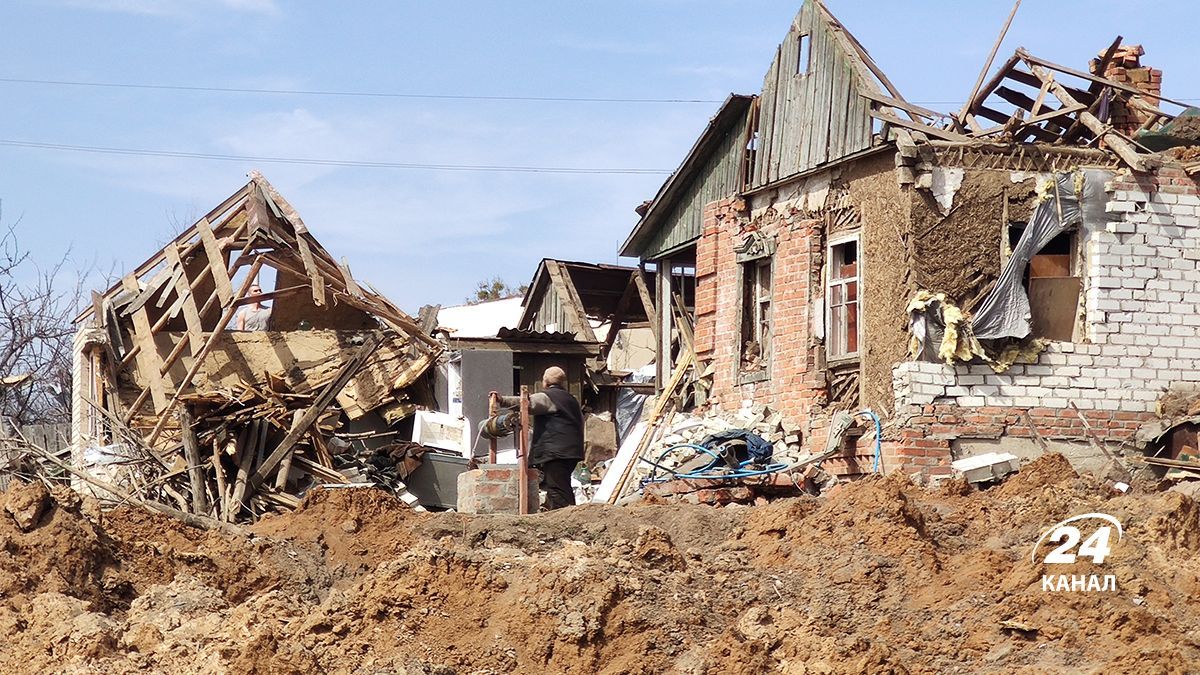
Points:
[554,375]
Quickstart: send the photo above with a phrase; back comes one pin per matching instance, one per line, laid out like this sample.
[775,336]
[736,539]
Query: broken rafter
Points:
[643,288]
[348,370]
[1032,60]
[944,134]
[198,359]
[971,100]
[1115,141]
[618,318]
[564,288]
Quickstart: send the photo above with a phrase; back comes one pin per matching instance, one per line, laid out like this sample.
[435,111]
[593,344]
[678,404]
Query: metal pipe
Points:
[523,453]
[493,407]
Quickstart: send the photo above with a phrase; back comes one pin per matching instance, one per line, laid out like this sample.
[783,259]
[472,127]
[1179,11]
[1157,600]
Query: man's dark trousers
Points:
[556,481]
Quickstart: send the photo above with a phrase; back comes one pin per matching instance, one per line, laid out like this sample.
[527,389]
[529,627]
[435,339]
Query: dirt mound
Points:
[47,547]
[878,576]
[355,528]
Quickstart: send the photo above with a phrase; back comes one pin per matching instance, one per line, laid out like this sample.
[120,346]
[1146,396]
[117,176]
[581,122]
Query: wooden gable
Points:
[811,112]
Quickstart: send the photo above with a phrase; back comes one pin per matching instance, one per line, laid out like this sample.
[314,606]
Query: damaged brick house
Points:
[1021,274]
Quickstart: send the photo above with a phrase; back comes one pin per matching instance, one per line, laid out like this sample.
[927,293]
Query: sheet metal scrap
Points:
[234,424]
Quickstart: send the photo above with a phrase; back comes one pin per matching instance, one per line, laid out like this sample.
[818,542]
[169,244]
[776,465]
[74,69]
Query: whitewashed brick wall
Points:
[1142,307]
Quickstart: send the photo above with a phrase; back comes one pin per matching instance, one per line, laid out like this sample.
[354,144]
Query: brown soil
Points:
[877,576]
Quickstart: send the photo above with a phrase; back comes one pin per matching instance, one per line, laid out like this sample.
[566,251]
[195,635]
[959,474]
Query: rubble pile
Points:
[878,575]
[206,403]
[689,429]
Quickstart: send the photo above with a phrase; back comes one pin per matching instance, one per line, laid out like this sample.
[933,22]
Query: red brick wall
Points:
[921,441]
[796,386]
[1126,67]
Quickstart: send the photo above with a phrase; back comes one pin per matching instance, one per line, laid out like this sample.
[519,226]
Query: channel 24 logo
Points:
[1065,544]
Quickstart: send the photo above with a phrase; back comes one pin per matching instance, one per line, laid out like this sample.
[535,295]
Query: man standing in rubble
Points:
[557,443]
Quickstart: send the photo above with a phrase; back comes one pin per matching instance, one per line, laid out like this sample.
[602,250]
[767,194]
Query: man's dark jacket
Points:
[558,435]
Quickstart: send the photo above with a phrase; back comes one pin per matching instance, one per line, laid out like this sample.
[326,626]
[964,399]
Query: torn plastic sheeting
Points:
[941,332]
[1068,200]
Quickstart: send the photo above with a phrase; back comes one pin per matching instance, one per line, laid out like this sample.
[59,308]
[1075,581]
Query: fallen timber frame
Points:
[165,321]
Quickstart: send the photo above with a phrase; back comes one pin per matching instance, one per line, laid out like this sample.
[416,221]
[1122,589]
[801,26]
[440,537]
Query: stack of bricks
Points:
[495,488]
[1126,67]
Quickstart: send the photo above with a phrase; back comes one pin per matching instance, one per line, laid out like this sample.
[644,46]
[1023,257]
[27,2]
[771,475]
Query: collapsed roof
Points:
[163,342]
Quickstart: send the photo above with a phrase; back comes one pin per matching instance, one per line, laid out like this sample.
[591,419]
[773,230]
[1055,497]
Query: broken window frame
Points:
[835,352]
[1076,266]
[756,272]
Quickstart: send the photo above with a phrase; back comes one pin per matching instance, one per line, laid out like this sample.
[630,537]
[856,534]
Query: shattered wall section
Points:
[889,256]
[959,232]
[1142,303]
[801,218]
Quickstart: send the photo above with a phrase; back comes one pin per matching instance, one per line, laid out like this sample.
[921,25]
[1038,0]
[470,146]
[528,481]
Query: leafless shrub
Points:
[37,305]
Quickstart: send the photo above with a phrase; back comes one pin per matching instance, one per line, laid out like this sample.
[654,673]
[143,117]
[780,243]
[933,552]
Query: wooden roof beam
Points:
[1029,80]
[944,134]
[1115,141]
[962,114]
[1032,61]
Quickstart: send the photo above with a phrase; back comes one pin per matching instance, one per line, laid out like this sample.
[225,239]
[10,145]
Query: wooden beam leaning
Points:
[665,400]
[984,91]
[618,317]
[351,286]
[1032,60]
[147,355]
[943,134]
[216,261]
[1117,143]
[913,109]
[314,410]
[318,281]
[285,465]
[191,313]
[198,359]
[568,295]
[962,114]
[647,301]
[191,452]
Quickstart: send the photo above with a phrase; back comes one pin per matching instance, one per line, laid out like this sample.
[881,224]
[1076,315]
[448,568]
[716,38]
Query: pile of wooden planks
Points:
[229,424]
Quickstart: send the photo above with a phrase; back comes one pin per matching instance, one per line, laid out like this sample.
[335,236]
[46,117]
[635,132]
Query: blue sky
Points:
[427,236]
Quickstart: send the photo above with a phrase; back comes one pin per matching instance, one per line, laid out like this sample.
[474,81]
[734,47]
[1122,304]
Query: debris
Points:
[231,425]
[987,468]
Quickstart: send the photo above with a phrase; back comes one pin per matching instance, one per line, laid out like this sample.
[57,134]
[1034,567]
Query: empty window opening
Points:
[756,314]
[842,294]
[1053,283]
[803,53]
